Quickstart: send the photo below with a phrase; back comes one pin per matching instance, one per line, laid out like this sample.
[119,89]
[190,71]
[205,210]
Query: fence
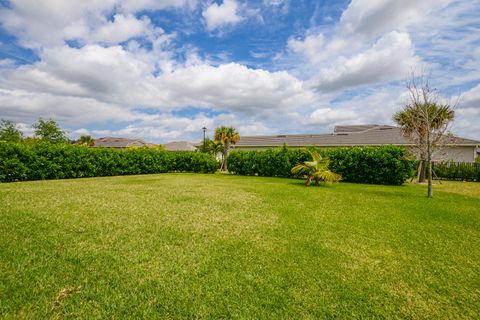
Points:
[464,171]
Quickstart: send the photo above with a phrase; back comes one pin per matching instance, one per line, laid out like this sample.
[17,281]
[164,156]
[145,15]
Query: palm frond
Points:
[317,169]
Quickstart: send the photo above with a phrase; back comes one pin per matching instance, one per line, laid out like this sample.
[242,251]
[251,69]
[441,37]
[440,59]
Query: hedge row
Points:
[457,171]
[41,161]
[377,165]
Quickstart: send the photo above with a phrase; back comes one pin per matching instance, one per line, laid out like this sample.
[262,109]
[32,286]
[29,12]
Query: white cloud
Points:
[391,58]
[372,18]
[138,5]
[106,74]
[112,84]
[328,116]
[311,46]
[47,23]
[236,88]
[23,106]
[471,98]
[121,29]
[217,16]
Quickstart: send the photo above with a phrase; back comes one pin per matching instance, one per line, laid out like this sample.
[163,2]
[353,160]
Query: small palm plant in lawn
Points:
[316,170]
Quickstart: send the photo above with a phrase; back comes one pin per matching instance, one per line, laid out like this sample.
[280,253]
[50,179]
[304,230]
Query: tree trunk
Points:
[430,192]
[429,168]
[422,171]
[225,155]
[309,180]
[223,161]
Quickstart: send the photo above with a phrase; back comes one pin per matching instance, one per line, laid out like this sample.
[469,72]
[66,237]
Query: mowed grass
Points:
[175,246]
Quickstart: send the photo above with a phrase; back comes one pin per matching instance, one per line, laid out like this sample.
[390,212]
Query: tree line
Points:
[44,130]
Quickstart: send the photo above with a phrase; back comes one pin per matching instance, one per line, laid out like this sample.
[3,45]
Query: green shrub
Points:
[378,165]
[43,160]
[390,165]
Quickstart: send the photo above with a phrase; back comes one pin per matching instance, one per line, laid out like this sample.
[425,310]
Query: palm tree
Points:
[425,121]
[421,123]
[86,141]
[226,136]
[316,170]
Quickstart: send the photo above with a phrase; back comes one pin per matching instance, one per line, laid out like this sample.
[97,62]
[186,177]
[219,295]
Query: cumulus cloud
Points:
[122,28]
[471,98]
[46,23]
[24,106]
[114,75]
[391,58]
[372,18]
[235,87]
[220,15]
[372,43]
[107,74]
[111,84]
[328,116]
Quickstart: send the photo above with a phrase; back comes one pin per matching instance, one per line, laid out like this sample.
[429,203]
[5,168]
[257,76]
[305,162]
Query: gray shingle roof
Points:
[180,146]
[359,135]
[113,142]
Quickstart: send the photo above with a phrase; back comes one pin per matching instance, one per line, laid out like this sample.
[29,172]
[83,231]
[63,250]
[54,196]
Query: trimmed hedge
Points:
[376,165]
[43,160]
[463,171]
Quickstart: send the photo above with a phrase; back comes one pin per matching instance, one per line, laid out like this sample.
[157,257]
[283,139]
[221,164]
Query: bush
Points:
[42,160]
[464,171]
[378,165]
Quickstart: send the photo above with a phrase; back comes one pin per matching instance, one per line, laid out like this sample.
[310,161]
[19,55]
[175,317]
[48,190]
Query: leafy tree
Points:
[425,121]
[49,130]
[9,131]
[86,141]
[226,136]
[316,170]
[211,147]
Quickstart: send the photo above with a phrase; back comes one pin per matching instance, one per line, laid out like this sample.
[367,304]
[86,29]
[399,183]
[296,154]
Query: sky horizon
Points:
[160,70]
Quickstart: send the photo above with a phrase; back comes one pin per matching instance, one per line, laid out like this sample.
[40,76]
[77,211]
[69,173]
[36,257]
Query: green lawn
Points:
[223,246]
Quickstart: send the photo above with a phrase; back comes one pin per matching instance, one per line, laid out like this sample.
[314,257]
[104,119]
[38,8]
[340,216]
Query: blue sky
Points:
[163,69]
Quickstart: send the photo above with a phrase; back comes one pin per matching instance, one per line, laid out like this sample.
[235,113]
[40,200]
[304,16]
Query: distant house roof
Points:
[180,146]
[114,142]
[355,135]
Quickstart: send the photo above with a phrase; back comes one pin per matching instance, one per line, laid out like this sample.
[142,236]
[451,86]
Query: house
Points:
[113,142]
[457,149]
[180,146]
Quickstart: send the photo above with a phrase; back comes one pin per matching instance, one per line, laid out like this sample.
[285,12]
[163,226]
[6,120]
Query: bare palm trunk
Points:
[223,161]
[430,192]
[429,170]
[225,155]
[429,164]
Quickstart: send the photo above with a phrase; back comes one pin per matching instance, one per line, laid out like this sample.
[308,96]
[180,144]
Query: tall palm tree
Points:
[316,170]
[226,136]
